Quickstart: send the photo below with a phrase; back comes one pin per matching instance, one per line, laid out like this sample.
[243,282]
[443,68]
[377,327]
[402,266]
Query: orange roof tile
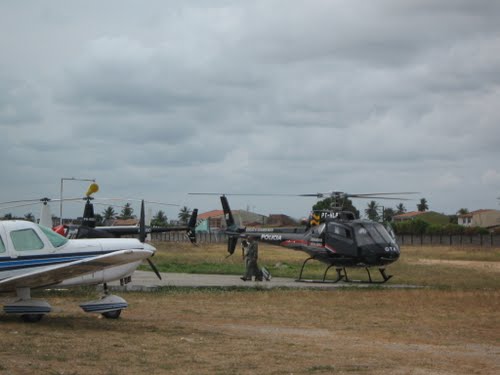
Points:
[410,214]
[213,213]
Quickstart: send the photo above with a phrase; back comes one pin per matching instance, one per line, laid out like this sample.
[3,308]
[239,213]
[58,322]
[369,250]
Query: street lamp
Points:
[62,182]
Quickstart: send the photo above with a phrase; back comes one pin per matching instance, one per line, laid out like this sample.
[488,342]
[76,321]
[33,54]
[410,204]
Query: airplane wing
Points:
[55,274]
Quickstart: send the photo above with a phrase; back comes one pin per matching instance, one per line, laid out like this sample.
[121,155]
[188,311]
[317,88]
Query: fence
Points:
[202,237]
[481,240]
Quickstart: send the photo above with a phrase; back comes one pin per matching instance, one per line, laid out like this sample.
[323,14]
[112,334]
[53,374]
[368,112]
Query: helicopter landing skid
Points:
[324,280]
[342,275]
[385,277]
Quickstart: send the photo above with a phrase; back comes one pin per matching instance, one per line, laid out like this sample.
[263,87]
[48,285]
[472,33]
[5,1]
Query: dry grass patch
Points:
[271,332]
[451,327]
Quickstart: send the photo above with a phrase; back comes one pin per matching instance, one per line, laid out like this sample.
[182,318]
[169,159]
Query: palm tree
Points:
[184,214]
[109,214]
[29,217]
[422,206]
[400,209]
[388,214]
[372,211]
[127,212]
[160,219]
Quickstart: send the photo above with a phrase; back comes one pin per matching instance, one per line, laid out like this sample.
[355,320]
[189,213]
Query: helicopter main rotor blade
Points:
[250,194]
[375,194]
[334,194]
[139,200]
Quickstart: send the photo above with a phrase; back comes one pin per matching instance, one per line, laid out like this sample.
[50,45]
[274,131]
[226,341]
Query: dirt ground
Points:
[371,331]
[450,326]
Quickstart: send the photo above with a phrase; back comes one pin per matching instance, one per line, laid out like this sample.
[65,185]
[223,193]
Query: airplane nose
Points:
[149,248]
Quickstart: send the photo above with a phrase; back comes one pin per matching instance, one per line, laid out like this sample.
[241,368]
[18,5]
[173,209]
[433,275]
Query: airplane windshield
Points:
[367,233]
[55,239]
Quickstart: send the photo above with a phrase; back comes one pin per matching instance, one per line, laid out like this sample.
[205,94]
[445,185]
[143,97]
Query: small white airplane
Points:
[33,256]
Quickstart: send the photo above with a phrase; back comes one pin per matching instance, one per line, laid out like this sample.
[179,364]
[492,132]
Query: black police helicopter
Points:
[334,237]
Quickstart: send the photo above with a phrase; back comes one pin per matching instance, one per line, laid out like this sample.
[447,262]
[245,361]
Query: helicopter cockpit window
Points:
[368,233]
[321,229]
[337,230]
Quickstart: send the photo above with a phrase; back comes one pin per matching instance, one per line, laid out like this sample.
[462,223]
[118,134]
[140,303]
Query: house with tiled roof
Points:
[407,215]
[484,218]
[214,220]
[125,222]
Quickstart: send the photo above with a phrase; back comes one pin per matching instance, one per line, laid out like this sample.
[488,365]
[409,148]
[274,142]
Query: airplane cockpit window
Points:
[2,246]
[55,239]
[26,239]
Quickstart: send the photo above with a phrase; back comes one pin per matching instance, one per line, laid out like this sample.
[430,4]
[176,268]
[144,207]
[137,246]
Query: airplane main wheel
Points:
[31,318]
[115,314]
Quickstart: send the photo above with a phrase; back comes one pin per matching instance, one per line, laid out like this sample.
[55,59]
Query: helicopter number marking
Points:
[271,237]
[391,249]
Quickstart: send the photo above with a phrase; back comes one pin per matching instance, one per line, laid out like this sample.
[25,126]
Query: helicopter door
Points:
[340,238]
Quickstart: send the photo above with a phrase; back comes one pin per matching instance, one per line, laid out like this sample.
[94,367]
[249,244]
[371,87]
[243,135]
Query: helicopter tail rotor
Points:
[191,232]
[233,229]
[142,237]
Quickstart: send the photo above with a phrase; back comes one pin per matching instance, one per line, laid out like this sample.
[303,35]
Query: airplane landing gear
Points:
[110,306]
[32,318]
[30,310]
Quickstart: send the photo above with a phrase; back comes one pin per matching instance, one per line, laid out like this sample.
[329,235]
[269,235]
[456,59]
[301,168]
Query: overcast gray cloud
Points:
[161,98]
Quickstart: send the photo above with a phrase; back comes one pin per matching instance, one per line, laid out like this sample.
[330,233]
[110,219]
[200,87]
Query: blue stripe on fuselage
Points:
[8,264]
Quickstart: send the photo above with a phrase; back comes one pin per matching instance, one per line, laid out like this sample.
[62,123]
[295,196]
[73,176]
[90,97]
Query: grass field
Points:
[451,326]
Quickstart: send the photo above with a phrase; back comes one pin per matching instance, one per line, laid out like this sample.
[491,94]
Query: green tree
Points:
[463,211]
[422,206]
[372,211]
[127,212]
[400,209]
[99,220]
[388,214]
[29,217]
[326,204]
[160,219]
[184,214]
[109,213]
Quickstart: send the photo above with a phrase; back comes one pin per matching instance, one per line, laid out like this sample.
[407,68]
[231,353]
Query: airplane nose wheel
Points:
[109,305]
[31,318]
[112,314]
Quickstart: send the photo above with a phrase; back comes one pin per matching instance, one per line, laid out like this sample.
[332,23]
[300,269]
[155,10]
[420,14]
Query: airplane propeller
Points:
[142,238]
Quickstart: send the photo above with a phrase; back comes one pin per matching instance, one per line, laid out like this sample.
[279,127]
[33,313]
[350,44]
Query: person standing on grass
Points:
[251,255]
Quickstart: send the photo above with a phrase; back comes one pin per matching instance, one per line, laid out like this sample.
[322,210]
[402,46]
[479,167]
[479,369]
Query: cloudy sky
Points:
[156,99]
